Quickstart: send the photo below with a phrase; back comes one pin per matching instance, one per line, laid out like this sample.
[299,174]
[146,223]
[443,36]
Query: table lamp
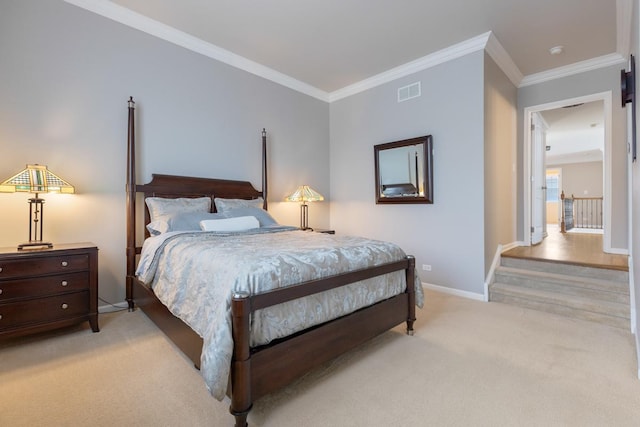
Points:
[304,194]
[36,179]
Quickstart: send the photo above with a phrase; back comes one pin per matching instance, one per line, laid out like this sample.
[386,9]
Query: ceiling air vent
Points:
[409,91]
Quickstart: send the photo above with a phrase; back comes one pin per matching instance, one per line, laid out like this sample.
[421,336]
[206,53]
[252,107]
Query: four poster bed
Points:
[255,365]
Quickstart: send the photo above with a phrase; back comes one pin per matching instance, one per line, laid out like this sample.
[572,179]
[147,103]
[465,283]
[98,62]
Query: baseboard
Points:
[512,245]
[617,251]
[492,271]
[451,291]
[110,308]
[638,353]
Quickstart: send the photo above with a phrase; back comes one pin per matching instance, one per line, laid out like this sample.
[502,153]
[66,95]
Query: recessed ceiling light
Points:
[556,50]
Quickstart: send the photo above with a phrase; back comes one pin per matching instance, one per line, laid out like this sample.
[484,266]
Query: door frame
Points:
[606,97]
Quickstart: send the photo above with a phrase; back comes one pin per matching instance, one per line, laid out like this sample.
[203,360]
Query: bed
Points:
[256,365]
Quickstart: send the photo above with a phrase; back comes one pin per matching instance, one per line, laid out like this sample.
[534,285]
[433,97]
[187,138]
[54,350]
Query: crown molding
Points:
[444,55]
[486,41]
[624,20]
[504,61]
[571,69]
[147,25]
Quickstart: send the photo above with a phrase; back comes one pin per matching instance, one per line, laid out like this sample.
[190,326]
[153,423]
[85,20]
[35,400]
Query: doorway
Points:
[560,157]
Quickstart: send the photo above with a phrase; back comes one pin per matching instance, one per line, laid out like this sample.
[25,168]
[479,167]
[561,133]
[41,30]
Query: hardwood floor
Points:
[572,248]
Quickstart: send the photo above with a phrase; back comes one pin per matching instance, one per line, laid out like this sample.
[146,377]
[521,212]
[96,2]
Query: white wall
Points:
[635,190]
[66,76]
[448,235]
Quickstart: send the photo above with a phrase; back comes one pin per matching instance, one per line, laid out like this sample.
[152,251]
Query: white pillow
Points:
[240,223]
[224,205]
[160,206]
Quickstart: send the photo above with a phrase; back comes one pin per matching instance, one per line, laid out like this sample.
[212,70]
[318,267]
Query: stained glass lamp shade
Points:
[304,194]
[36,179]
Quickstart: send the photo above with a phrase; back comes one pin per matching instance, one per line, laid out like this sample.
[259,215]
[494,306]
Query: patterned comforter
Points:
[195,273]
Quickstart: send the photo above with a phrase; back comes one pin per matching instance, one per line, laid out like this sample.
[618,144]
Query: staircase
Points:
[588,293]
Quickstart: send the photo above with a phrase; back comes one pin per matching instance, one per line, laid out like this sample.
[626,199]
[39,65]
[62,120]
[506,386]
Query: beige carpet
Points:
[469,364]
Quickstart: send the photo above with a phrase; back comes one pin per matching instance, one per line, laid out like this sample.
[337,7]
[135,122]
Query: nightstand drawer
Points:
[33,266]
[43,309]
[41,286]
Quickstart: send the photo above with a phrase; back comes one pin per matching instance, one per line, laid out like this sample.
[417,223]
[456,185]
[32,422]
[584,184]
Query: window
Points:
[553,192]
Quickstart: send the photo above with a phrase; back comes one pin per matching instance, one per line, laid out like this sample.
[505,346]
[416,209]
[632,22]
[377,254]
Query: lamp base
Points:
[34,246]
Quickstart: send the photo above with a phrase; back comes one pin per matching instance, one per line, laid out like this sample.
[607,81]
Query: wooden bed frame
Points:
[256,372]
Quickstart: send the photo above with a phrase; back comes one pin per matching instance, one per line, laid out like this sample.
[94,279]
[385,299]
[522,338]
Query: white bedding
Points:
[186,269]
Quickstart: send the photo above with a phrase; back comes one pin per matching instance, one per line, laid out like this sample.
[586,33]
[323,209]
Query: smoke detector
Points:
[556,50]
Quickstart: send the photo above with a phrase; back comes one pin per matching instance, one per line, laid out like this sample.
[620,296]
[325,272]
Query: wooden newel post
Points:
[241,364]
[563,225]
[131,203]
[411,291]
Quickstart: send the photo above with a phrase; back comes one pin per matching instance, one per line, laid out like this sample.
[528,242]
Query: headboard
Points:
[172,186]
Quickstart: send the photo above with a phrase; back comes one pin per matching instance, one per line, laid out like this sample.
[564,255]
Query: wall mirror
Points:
[404,171]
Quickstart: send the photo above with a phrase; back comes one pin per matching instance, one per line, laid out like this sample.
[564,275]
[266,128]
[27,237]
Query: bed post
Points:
[241,401]
[131,204]
[411,291]
[264,168]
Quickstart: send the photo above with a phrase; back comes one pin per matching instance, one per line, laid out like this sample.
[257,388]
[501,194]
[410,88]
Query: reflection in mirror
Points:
[404,171]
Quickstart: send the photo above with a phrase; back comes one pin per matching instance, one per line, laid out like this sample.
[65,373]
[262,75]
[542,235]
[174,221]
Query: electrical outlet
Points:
[426,267]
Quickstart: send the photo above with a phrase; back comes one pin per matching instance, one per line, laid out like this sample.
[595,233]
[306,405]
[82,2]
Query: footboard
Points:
[259,371]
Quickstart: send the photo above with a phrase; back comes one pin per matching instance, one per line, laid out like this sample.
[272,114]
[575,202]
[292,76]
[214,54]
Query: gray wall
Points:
[448,234]
[66,76]
[587,83]
[500,100]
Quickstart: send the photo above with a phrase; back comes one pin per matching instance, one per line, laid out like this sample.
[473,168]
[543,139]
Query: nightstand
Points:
[48,288]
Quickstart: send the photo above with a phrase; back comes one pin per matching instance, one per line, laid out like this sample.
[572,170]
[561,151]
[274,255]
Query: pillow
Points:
[223,205]
[260,214]
[189,221]
[240,223]
[160,206]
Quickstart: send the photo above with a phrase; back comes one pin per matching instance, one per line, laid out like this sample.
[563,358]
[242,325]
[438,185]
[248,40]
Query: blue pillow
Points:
[187,221]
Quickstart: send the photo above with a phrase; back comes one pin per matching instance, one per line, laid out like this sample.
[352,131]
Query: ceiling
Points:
[333,44]
[575,133]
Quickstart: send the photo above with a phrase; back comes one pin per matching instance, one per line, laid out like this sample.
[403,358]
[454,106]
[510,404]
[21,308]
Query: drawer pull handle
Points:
[64,263]
[0,316]
[64,283]
[0,269]
[0,291]
[65,306]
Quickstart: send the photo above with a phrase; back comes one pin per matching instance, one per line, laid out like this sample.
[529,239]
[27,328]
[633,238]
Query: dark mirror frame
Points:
[427,172]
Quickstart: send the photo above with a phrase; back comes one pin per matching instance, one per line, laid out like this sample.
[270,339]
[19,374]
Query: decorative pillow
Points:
[260,214]
[160,206]
[189,221]
[240,223]
[223,205]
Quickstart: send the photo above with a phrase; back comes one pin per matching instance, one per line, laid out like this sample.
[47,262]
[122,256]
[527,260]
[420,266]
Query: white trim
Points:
[150,26]
[512,245]
[624,19]
[571,69]
[492,271]
[486,41]
[617,251]
[632,299]
[606,97]
[452,291]
[444,55]
[504,61]
[638,354]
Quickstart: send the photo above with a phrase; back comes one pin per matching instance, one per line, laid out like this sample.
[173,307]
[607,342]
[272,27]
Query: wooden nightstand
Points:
[47,289]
